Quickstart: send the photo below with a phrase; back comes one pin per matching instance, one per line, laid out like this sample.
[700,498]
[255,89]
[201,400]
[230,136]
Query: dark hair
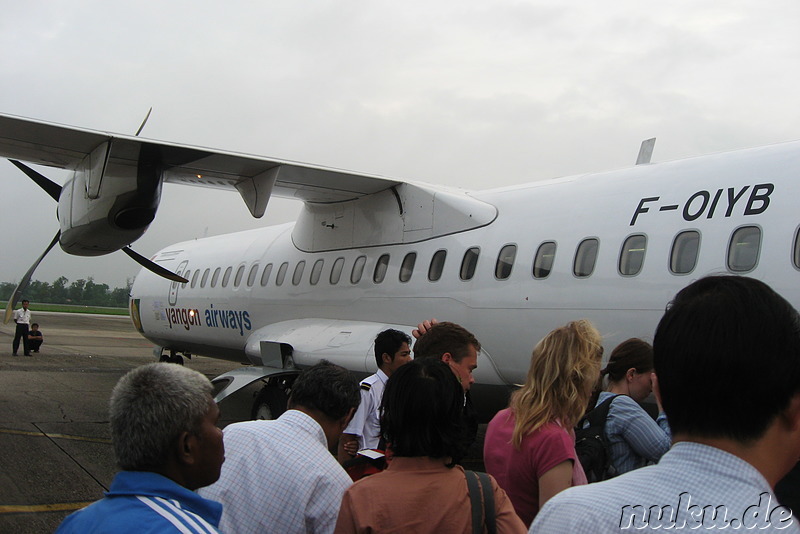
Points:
[422,411]
[327,388]
[727,356]
[389,342]
[34,324]
[631,353]
[445,337]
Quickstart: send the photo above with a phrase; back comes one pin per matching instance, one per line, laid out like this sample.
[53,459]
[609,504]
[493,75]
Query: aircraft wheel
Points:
[269,404]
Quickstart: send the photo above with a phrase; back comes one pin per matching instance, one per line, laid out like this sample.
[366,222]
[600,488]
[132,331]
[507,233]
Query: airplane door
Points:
[173,287]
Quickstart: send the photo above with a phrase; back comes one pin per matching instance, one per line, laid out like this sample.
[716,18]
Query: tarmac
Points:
[54,434]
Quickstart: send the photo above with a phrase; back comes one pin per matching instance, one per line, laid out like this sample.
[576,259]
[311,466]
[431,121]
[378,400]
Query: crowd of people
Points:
[724,368]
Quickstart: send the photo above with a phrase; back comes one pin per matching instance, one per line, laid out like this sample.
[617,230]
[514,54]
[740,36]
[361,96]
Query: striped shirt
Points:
[141,501]
[634,438]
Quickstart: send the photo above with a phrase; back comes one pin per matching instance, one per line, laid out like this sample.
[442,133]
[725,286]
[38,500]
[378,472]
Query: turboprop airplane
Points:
[369,253]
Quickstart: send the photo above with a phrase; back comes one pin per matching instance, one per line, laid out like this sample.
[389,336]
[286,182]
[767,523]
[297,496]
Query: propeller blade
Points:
[149,111]
[23,284]
[49,186]
[153,266]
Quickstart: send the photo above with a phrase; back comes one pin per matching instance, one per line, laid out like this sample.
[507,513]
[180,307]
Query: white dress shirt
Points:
[366,422]
[22,316]
[278,476]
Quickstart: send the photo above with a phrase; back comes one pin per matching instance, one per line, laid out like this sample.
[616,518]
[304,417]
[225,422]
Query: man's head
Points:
[164,420]
[34,326]
[455,346]
[422,411]
[392,349]
[25,304]
[329,394]
[727,357]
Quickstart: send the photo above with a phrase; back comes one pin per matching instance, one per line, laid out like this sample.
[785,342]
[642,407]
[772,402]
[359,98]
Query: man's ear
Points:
[386,358]
[447,358]
[186,447]
[791,415]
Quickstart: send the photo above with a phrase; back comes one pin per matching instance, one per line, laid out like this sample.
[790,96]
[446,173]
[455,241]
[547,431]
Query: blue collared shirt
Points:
[634,438]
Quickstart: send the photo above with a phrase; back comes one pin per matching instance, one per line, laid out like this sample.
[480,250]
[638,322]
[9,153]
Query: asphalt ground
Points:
[55,447]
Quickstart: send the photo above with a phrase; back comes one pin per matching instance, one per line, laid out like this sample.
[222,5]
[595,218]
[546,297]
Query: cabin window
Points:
[316,271]
[251,277]
[543,261]
[505,261]
[195,276]
[469,263]
[336,271]
[437,265]
[188,276]
[281,273]
[685,249]
[380,269]
[744,248]
[227,276]
[205,277]
[407,267]
[358,269]
[239,273]
[266,274]
[215,278]
[796,254]
[298,272]
[585,257]
[631,257]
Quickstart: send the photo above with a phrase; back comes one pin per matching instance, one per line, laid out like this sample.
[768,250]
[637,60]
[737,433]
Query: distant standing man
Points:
[23,319]
[392,349]
[35,338]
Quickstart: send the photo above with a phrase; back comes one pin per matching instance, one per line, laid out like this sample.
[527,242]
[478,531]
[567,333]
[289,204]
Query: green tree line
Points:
[83,292]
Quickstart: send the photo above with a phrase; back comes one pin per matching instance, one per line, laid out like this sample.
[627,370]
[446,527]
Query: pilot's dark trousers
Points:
[21,333]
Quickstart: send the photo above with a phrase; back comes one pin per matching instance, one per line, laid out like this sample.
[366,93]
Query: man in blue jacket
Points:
[167,443]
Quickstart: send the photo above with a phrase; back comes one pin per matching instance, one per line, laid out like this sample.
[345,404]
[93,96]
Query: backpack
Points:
[591,444]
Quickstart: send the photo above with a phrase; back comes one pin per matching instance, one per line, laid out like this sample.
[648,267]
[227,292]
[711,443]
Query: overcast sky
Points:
[457,92]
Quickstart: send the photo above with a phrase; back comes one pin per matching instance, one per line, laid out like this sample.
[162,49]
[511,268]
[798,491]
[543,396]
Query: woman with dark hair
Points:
[422,490]
[634,438]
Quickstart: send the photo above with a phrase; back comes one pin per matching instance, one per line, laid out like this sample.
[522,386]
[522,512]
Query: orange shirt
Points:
[418,495]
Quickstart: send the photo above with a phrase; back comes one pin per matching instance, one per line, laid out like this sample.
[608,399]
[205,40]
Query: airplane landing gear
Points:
[173,357]
[270,402]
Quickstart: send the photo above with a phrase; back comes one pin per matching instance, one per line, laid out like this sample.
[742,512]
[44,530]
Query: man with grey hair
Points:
[167,443]
[280,476]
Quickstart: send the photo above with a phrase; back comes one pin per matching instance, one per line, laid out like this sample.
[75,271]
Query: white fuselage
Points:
[712,195]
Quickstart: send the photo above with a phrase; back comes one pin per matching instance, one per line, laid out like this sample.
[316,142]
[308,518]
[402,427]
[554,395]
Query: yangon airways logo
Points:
[210,317]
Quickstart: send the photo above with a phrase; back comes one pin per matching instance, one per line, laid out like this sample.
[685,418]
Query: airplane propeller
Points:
[54,190]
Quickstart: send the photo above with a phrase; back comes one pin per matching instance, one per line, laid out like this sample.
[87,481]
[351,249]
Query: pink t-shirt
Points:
[518,471]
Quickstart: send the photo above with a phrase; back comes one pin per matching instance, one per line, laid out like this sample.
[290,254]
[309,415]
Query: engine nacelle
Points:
[111,199]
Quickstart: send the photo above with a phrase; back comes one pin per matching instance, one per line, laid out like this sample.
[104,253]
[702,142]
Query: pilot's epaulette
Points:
[365,386]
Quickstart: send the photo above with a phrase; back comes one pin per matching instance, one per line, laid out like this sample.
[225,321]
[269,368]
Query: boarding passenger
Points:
[727,357]
[35,338]
[530,446]
[458,348]
[364,431]
[422,490]
[279,476]
[634,438]
[164,429]
[22,318]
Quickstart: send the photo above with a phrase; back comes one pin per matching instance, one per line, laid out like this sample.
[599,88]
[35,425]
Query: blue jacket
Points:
[145,502]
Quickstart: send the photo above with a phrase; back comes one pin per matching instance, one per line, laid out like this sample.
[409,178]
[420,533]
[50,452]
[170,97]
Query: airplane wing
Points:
[255,177]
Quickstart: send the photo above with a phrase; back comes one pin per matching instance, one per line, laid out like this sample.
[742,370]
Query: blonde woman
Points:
[530,446]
